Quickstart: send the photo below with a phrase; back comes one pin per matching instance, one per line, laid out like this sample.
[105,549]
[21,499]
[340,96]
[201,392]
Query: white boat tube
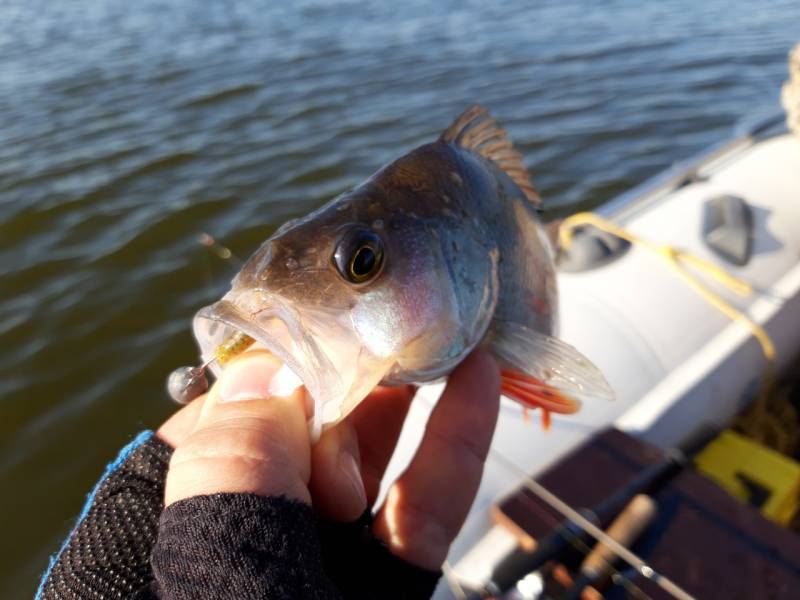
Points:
[677,365]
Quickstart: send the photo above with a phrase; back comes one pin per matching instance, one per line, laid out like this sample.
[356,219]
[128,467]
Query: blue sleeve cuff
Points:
[140,440]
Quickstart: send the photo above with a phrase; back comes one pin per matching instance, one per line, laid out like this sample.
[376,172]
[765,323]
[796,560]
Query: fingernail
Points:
[350,470]
[247,378]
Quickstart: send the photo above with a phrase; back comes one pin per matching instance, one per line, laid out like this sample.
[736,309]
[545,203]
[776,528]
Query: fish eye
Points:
[359,256]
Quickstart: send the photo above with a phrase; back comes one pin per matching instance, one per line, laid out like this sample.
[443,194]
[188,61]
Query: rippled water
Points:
[128,128]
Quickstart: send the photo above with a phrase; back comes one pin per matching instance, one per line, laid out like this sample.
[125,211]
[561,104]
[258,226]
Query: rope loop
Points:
[680,260]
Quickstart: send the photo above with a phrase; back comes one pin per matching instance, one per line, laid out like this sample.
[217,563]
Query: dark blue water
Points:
[127,128]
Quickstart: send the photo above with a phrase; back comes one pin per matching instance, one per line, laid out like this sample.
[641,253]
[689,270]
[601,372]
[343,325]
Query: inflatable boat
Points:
[679,366]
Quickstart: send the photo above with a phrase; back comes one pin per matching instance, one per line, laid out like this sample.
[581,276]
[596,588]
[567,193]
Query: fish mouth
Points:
[321,350]
[277,327]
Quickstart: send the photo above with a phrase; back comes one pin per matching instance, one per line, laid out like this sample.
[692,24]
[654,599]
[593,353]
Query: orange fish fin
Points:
[534,393]
[546,419]
[536,359]
[476,130]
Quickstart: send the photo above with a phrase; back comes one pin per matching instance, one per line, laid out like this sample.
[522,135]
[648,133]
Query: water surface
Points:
[128,128]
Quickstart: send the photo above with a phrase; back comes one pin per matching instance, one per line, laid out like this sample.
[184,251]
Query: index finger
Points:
[177,428]
[428,504]
[378,421]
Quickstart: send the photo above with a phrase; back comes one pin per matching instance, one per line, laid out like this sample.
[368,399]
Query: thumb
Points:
[246,440]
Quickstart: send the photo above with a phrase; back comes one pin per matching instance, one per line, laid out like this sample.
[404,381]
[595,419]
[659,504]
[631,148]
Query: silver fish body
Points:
[399,279]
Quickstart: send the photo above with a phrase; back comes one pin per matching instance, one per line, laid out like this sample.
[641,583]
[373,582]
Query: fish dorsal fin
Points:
[476,130]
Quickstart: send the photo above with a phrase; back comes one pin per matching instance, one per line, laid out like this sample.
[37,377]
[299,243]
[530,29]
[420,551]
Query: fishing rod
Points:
[582,526]
[628,526]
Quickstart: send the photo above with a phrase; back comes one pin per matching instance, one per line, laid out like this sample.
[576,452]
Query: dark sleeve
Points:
[247,547]
[107,555]
[240,547]
[362,568]
[222,546]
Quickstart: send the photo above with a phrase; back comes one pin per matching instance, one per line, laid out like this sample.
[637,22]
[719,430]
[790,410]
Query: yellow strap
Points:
[678,259]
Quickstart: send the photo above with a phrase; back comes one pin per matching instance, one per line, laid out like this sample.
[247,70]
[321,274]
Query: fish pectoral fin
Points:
[542,371]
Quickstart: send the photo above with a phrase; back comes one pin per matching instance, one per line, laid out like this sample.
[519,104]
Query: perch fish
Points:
[399,279]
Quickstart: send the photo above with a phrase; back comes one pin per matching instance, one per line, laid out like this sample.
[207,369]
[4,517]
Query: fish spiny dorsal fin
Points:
[476,130]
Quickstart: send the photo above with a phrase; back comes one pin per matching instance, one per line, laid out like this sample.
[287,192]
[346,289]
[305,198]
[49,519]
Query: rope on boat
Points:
[679,260]
[790,94]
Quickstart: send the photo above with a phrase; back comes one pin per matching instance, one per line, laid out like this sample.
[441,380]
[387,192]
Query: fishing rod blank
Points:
[519,563]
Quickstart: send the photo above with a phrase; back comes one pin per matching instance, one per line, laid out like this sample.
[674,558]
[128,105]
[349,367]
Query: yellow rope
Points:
[678,259]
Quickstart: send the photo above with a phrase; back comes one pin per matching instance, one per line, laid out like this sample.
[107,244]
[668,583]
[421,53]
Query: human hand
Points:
[261,445]
[240,439]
